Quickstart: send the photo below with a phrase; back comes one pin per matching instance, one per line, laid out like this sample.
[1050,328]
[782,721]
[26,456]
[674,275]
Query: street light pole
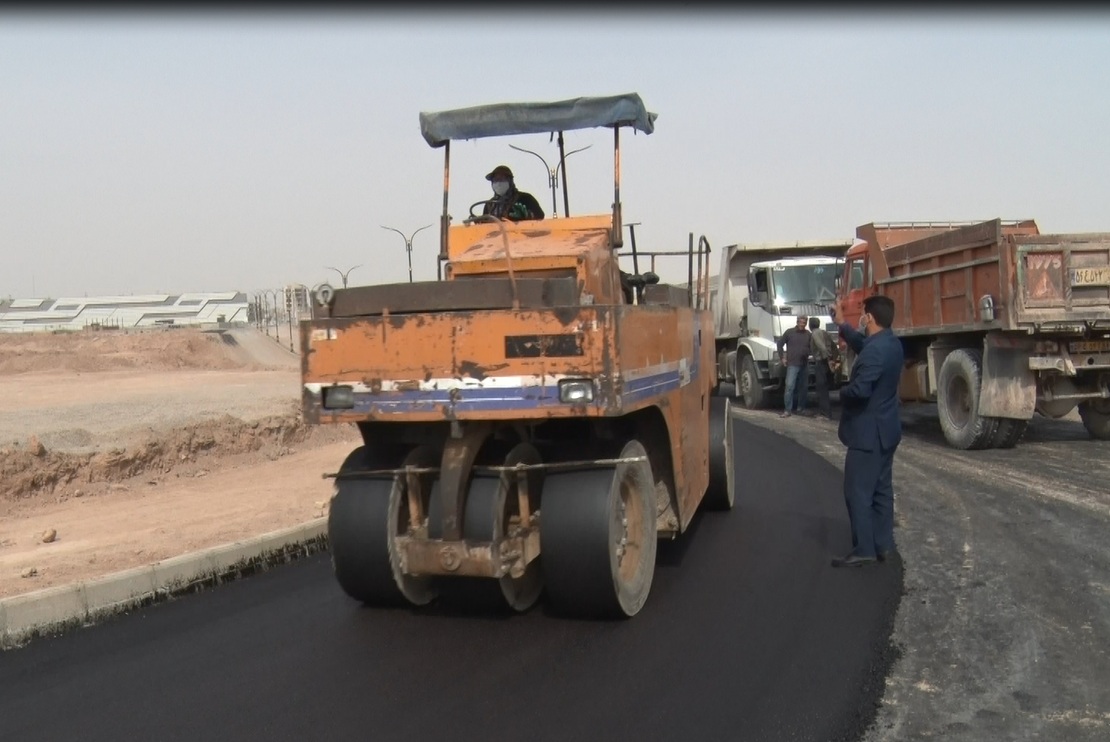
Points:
[296,307]
[553,173]
[272,294]
[344,275]
[408,243]
[290,306]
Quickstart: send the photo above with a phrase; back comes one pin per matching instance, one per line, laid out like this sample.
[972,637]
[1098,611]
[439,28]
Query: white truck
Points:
[759,293]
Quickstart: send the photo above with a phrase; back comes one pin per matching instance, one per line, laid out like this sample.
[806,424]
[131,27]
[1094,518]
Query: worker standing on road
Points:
[871,429]
[825,353]
[794,349]
[508,202]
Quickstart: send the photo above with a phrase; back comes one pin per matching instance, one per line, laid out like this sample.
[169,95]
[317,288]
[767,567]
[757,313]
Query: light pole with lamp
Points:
[295,307]
[344,275]
[256,311]
[273,294]
[408,243]
[553,174]
[263,312]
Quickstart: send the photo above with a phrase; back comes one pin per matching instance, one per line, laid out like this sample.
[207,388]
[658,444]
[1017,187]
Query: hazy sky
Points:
[162,152]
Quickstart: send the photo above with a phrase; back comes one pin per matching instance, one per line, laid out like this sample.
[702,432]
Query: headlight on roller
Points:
[576,391]
[339,397]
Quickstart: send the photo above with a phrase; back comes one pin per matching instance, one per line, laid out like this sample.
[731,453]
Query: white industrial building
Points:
[123,312]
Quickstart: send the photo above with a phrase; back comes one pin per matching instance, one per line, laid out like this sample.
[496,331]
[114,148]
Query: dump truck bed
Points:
[979,277]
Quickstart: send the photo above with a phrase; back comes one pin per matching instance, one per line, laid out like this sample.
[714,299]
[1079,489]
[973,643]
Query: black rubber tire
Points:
[580,534]
[958,386]
[519,593]
[749,390]
[467,594]
[1095,415]
[721,494]
[1008,432]
[364,516]
[491,503]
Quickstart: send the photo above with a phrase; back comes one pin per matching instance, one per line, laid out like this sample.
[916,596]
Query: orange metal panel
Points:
[683,368]
[559,236]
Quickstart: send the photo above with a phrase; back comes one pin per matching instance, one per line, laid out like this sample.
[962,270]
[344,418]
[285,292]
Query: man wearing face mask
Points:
[507,201]
[871,430]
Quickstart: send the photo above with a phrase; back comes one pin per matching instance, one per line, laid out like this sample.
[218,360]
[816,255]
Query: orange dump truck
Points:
[533,422]
[998,321]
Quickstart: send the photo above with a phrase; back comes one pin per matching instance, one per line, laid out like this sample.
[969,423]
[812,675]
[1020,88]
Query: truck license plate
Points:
[1099,276]
[1089,346]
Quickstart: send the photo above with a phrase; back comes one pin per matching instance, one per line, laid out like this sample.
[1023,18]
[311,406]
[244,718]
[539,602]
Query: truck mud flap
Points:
[1009,388]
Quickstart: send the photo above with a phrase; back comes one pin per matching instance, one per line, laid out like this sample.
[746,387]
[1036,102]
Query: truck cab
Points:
[761,291]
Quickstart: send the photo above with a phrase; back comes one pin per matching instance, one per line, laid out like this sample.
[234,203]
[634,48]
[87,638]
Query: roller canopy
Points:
[504,119]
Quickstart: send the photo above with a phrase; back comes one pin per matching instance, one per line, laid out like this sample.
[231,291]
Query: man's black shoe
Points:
[887,555]
[852,560]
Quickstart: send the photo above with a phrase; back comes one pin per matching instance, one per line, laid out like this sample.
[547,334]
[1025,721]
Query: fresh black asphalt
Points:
[748,634]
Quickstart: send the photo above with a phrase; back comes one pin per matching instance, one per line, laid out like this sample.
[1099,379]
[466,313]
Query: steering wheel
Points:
[478,218]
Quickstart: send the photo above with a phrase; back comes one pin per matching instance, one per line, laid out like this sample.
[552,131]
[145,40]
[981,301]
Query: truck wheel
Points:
[1096,417]
[364,518]
[721,494]
[748,387]
[958,401]
[1009,432]
[598,538]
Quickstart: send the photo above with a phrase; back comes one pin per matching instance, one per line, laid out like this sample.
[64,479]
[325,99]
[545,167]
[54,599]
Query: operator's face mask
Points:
[500,187]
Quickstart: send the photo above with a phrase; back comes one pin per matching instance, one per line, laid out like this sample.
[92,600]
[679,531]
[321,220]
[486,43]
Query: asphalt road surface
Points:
[1004,625]
[748,634]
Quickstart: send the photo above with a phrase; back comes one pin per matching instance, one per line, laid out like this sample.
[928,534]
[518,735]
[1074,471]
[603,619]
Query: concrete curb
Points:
[56,609]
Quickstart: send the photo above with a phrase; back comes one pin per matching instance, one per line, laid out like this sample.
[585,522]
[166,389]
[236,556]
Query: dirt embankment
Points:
[31,470]
[114,350]
[196,374]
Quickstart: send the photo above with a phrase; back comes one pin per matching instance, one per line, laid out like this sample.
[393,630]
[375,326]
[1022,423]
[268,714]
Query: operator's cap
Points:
[502,170]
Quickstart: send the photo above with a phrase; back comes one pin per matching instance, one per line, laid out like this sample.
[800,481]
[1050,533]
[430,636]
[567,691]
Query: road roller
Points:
[538,417]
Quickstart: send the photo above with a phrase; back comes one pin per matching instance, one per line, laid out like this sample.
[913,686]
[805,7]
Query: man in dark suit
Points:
[871,429]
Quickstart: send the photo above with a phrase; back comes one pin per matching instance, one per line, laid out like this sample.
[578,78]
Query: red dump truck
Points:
[998,321]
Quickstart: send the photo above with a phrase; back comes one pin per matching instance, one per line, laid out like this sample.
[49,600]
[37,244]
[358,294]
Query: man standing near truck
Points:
[794,349]
[825,354]
[871,429]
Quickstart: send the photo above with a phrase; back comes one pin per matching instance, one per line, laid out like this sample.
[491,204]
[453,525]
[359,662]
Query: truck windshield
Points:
[804,284]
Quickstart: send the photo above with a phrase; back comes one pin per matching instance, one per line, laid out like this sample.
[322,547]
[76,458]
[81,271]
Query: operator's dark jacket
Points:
[515,205]
[869,416]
